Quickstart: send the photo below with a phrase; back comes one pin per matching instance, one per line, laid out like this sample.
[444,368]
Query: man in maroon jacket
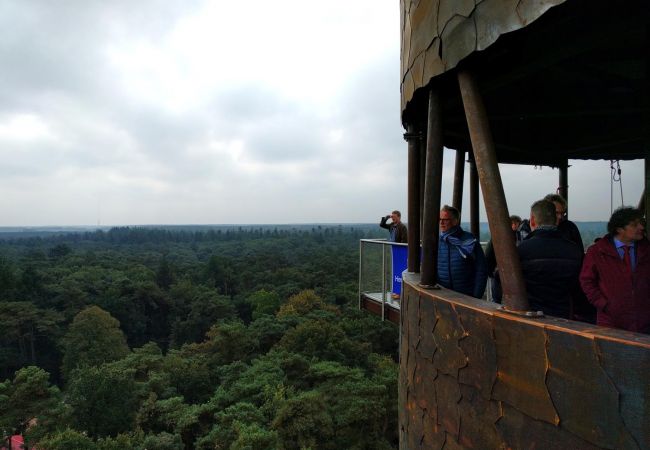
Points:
[615,274]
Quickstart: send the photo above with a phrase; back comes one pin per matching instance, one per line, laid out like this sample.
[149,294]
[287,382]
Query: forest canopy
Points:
[189,338]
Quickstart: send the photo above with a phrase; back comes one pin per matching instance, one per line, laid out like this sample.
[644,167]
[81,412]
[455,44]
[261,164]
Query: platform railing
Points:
[376,260]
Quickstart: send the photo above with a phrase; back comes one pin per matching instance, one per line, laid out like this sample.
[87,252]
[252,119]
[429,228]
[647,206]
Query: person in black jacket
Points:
[566,228]
[550,263]
[398,231]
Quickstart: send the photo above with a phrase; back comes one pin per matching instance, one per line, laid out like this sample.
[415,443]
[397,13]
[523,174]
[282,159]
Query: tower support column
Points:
[413,139]
[459,179]
[432,191]
[494,198]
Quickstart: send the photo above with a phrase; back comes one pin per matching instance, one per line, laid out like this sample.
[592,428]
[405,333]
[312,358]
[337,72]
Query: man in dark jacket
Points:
[616,273]
[397,230]
[461,261]
[566,228]
[550,264]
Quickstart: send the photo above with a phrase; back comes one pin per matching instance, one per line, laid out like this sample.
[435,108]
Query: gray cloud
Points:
[131,112]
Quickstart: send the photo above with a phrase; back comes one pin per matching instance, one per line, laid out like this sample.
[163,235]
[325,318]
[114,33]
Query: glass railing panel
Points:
[380,271]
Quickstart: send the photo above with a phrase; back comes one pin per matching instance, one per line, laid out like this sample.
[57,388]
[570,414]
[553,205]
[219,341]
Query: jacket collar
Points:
[606,246]
[543,232]
[452,232]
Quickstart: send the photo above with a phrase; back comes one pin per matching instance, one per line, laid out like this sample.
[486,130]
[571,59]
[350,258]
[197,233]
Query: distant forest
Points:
[589,230]
[195,337]
[226,338]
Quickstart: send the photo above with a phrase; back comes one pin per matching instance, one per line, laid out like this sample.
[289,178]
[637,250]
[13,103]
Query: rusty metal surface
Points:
[502,381]
[522,363]
[434,435]
[438,34]
[556,84]
[405,363]
[480,348]
[448,357]
[518,431]
[412,315]
[413,182]
[472,377]
[432,190]
[623,364]
[424,377]
[563,181]
[494,197]
[459,178]
[423,166]
[428,322]
[474,220]
[447,392]
[583,394]
[479,418]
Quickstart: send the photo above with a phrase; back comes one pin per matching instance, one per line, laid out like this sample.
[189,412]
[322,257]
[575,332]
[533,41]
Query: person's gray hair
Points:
[557,198]
[543,211]
[453,212]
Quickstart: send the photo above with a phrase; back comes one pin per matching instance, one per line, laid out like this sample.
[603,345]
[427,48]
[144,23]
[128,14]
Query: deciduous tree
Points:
[94,337]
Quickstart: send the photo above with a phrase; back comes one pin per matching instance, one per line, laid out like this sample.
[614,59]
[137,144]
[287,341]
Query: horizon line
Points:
[98,227]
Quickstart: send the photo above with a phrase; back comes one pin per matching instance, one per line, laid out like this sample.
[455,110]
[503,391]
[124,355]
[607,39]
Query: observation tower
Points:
[535,82]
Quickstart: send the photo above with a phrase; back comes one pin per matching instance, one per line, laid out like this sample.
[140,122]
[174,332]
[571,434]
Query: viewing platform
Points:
[377,265]
[380,262]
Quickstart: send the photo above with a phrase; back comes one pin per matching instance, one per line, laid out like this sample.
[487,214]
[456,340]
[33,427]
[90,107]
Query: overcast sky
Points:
[208,112]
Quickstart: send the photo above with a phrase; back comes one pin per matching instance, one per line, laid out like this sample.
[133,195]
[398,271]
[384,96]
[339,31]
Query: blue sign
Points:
[400,253]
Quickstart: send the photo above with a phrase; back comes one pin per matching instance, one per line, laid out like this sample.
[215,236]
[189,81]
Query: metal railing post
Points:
[360,269]
[383,282]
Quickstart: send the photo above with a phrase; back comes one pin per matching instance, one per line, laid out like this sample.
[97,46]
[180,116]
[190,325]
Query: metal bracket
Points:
[429,286]
[416,135]
[530,314]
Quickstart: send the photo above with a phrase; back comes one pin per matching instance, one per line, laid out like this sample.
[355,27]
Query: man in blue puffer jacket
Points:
[461,261]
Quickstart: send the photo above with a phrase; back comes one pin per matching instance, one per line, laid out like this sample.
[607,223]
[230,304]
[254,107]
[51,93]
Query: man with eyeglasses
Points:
[616,273]
[461,261]
[567,228]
